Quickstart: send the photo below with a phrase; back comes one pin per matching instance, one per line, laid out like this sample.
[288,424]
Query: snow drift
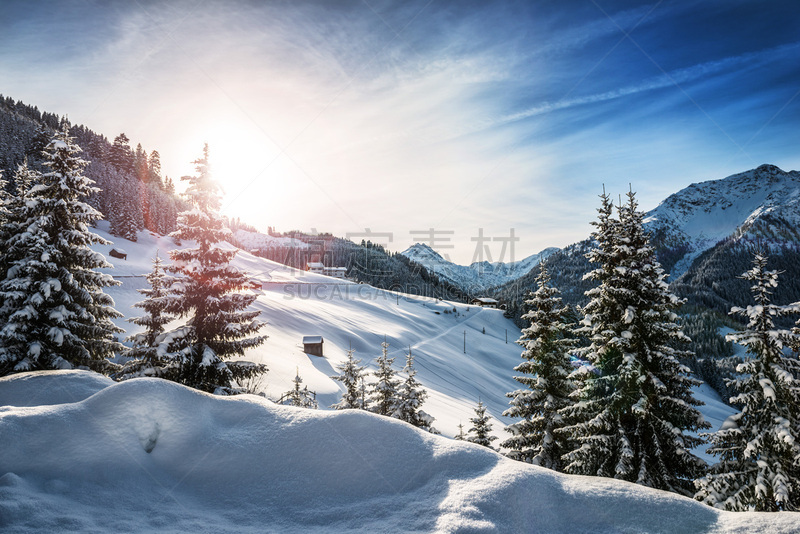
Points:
[150,455]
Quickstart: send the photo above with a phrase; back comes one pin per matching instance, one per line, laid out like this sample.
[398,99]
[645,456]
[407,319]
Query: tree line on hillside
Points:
[367,262]
[132,192]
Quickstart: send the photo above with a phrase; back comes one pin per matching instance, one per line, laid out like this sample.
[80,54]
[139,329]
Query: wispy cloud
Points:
[677,77]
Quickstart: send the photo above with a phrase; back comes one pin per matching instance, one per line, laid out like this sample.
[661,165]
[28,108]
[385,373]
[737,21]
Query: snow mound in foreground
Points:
[149,455]
[39,388]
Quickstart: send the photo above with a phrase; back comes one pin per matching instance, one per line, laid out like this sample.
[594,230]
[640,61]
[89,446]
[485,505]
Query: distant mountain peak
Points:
[477,277]
[751,204]
[421,250]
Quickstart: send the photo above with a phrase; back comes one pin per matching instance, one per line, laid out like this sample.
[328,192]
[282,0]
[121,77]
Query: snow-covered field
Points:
[75,445]
[148,455]
[296,303]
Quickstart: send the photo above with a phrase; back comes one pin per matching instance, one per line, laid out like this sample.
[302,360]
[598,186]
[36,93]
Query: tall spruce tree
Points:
[55,314]
[145,357]
[121,155]
[383,393]
[759,447]
[539,437]
[351,377]
[410,397]
[209,291]
[481,426]
[154,170]
[632,419]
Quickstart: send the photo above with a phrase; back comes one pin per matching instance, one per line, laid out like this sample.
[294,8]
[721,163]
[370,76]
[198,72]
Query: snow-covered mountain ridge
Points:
[762,203]
[478,276]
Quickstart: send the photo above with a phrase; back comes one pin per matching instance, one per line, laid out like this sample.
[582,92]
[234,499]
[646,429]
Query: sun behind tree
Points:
[208,290]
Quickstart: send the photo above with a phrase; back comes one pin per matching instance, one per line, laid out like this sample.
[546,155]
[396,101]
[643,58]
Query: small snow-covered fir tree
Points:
[632,420]
[123,222]
[302,398]
[54,312]
[759,447]
[383,393]
[460,436]
[410,396]
[362,390]
[481,426]
[352,378]
[8,228]
[539,438]
[145,358]
[209,291]
[793,342]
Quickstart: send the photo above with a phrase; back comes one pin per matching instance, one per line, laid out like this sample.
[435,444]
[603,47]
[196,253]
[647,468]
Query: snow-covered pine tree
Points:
[208,290]
[352,377]
[145,358]
[410,396]
[481,426]
[302,398]
[362,389]
[123,221]
[793,343]
[55,314]
[631,421]
[154,169]
[383,393]
[7,202]
[759,447]
[13,213]
[121,155]
[539,438]
[460,436]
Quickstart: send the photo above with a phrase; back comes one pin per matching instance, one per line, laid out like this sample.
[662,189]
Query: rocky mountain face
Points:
[478,277]
[761,206]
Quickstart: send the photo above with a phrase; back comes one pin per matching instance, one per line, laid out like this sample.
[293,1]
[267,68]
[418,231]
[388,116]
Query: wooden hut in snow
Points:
[313,345]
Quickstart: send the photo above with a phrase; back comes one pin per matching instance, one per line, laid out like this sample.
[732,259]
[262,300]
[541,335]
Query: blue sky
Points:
[402,117]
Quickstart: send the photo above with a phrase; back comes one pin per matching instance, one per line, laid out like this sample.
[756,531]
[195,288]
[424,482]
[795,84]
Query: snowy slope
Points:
[701,215]
[148,455]
[296,303]
[478,276]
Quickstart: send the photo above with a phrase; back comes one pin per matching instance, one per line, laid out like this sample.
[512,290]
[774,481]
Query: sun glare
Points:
[255,177]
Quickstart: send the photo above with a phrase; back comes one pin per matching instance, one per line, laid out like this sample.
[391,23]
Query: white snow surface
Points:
[478,276]
[296,303]
[148,455]
[75,444]
[40,388]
